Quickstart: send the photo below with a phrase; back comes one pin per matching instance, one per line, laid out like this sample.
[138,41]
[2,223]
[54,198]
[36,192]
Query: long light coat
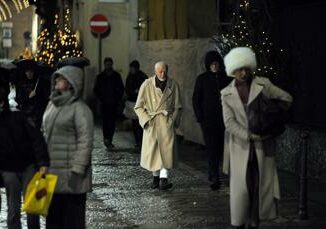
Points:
[68,130]
[159,115]
[237,153]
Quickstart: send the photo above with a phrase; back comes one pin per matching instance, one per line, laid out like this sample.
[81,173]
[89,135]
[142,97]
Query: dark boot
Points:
[164,184]
[253,227]
[240,227]
[108,144]
[156,182]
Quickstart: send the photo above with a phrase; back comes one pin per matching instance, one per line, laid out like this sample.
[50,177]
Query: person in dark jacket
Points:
[208,110]
[109,90]
[134,80]
[22,152]
[32,93]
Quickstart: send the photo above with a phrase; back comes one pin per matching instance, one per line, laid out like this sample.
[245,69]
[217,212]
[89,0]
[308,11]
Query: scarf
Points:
[160,84]
[61,98]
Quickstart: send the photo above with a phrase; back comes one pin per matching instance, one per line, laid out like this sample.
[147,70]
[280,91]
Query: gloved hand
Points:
[257,138]
[75,180]
[43,170]
[32,94]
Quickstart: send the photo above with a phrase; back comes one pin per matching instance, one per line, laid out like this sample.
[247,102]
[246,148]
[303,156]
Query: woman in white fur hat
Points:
[254,186]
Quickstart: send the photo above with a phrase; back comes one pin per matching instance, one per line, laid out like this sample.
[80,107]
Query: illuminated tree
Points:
[59,44]
[246,30]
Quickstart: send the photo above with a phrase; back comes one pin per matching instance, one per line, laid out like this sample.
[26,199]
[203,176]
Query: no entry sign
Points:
[99,24]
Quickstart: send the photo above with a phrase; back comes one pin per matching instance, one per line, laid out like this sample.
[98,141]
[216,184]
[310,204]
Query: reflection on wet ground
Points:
[121,196]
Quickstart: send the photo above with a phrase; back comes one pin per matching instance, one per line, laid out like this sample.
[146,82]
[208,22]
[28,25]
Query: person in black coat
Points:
[134,80]
[208,110]
[22,151]
[109,90]
[32,93]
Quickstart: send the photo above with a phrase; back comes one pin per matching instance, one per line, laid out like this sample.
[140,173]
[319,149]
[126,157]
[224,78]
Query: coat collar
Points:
[167,91]
[236,98]
[255,89]
[232,92]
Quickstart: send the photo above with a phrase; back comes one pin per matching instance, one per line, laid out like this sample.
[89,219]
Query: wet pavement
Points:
[121,196]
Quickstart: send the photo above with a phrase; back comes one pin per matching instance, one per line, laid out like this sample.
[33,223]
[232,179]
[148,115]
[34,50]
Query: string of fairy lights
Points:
[53,48]
[6,6]
[243,33]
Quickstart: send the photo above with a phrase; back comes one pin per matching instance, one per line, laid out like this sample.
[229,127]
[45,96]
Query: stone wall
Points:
[290,147]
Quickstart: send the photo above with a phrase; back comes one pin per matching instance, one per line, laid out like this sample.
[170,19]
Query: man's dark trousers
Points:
[109,117]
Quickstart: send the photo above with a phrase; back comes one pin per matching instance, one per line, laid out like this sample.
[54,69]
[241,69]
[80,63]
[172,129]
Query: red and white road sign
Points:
[99,24]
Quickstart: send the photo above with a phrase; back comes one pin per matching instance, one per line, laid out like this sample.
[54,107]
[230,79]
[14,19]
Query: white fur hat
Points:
[238,58]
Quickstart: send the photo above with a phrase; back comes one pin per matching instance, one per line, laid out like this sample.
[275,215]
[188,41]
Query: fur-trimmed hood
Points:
[238,58]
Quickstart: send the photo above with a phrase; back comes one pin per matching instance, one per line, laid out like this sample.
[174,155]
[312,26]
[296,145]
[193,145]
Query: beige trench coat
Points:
[159,116]
[237,152]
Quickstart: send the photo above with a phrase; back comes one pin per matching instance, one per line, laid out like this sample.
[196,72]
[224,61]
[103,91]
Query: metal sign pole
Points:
[303,198]
[99,52]
[100,28]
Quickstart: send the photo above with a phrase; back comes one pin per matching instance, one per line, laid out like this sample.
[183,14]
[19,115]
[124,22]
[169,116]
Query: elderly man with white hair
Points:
[158,107]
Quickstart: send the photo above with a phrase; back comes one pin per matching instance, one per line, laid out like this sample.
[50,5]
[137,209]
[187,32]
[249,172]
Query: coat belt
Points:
[153,114]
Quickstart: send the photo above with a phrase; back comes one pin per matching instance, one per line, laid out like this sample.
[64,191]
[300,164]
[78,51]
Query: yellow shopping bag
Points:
[39,194]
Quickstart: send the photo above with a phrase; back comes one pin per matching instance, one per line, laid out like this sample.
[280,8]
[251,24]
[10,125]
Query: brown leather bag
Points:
[266,117]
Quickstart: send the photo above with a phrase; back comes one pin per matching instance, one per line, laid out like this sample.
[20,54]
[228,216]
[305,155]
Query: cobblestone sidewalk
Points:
[121,196]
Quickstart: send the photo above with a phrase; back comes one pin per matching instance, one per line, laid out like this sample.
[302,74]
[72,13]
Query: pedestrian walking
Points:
[23,151]
[158,107]
[134,80]
[207,105]
[109,90]
[249,157]
[32,91]
[68,128]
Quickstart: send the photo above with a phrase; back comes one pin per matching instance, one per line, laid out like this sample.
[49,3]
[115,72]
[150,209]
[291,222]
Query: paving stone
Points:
[121,196]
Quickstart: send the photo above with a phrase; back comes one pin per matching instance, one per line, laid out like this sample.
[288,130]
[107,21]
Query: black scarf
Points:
[160,84]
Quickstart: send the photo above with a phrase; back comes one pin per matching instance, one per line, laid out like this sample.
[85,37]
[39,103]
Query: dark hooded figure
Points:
[208,110]
[134,80]
[32,93]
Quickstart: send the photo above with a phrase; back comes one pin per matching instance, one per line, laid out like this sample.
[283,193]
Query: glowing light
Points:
[26,3]
[61,44]
[7,7]
[16,5]
[3,13]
